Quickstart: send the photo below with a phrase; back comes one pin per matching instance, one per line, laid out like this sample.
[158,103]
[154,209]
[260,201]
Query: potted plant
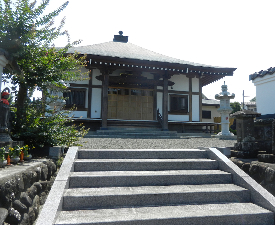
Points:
[14,154]
[3,160]
[25,151]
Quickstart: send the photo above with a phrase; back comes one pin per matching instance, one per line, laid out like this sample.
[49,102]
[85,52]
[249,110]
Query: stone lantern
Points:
[224,110]
[59,103]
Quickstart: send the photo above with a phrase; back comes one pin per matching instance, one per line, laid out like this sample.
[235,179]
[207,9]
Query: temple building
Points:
[128,82]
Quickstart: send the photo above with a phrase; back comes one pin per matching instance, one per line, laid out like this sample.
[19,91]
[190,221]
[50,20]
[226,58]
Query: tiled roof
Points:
[210,102]
[245,113]
[262,73]
[130,51]
[250,103]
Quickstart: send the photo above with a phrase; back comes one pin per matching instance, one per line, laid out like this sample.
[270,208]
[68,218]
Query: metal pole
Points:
[243,99]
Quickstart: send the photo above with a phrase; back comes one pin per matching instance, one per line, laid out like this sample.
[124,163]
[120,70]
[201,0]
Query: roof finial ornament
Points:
[120,38]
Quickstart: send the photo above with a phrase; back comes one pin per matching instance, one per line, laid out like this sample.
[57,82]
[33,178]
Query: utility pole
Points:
[243,99]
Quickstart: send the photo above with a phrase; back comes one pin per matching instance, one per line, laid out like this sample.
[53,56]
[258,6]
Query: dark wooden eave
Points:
[133,81]
[207,74]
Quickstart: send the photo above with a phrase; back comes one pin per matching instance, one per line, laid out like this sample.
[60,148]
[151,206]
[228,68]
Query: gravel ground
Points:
[119,143]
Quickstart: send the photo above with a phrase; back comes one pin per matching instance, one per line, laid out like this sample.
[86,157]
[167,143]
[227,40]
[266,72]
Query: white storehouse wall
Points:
[265,93]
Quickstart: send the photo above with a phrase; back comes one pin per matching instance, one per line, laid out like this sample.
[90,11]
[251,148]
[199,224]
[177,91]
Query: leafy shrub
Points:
[37,130]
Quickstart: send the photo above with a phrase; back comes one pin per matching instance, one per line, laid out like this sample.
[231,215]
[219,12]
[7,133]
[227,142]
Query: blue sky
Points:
[235,33]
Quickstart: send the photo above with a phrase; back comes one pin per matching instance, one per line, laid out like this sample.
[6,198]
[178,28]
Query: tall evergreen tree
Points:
[28,36]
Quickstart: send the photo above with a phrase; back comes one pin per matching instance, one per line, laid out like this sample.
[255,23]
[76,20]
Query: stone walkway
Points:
[119,143]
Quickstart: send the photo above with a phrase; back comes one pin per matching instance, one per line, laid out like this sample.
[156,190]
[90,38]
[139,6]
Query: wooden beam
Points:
[84,85]
[79,85]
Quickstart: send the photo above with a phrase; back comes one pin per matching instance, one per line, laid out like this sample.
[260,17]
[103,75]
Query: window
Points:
[206,114]
[75,97]
[179,103]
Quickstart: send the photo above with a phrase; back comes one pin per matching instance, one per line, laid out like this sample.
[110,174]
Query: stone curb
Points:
[259,195]
[54,201]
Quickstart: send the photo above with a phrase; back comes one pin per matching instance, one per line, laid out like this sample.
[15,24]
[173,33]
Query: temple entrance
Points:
[130,104]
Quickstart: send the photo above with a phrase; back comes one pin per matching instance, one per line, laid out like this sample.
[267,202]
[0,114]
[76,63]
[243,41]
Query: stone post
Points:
[224,110]
[246,146]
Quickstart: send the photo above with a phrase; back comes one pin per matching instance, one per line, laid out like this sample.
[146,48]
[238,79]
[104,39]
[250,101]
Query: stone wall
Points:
[263,173]
[24,189]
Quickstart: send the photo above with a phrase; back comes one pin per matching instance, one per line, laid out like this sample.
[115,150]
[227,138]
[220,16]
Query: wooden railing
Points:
[159,117]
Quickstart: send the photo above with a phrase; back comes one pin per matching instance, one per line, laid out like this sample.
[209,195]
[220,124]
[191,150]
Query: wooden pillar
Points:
[190,99]
[89,112]
[155,100]
[104,102]
[200,99]
[165,103]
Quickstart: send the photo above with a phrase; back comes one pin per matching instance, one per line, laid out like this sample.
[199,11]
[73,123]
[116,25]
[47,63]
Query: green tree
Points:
[28,36]
[236,106]
[253,99]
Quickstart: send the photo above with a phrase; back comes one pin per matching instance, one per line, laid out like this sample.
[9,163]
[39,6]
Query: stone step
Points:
[147,178]
[137,132]
[133,124]
[114,197]
[230,213]
[135,136]
[82,165]
[128,128]
[141,154]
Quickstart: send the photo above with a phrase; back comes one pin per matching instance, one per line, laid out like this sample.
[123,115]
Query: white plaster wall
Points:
[3,63]
[214,113]
[84,79]
[195,108]
[78,114]
[96,103]
[181,83]
[159,102]
[265,92]
[95,81]
[195,85]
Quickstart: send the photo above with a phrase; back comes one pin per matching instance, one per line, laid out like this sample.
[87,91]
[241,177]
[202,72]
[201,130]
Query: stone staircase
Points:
[134,129]
[160,187]
[134,132]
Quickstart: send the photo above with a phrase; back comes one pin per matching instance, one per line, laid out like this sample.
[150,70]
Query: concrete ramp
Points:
[154,186]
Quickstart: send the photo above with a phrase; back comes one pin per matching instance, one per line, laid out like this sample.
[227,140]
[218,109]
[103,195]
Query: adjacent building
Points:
[265,82]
